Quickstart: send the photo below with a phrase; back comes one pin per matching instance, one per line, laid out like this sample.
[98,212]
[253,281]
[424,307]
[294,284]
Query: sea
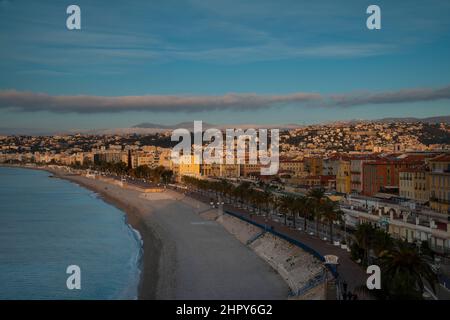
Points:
[47,225]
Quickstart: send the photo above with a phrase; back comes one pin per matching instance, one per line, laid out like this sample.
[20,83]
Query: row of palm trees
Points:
[405,271]
[313,206]
[156,175]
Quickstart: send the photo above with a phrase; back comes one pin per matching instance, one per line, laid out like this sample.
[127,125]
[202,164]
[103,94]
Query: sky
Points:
[224,62]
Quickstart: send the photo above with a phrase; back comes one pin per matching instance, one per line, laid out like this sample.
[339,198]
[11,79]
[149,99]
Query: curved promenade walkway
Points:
[349,271]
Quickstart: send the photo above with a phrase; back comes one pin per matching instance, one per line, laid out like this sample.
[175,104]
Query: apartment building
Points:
[356,171]
[313,166]
[414,184]
[383,174]
[293,168]
[402,220]
[343,177]
[440,183]
[188,165]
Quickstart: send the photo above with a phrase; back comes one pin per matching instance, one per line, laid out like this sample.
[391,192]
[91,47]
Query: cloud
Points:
[400,96]
[29,101]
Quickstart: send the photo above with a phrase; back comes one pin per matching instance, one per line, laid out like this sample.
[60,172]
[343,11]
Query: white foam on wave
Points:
[136,261]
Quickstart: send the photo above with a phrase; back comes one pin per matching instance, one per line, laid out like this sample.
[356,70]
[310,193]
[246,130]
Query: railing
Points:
[288,239]
[312,283]
[256,237]
[444,281]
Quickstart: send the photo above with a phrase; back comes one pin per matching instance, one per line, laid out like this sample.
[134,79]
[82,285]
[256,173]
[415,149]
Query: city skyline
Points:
[225,150]
[220,62]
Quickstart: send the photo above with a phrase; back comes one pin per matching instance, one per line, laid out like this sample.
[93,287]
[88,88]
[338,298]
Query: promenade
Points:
[349,271]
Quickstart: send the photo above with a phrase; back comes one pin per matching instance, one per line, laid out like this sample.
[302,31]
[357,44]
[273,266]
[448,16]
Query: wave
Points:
[136,263]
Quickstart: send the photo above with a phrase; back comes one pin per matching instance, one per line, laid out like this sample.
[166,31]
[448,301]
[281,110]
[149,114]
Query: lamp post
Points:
[345,229]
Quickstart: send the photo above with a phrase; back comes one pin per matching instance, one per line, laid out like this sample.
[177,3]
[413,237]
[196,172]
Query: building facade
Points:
[440,183]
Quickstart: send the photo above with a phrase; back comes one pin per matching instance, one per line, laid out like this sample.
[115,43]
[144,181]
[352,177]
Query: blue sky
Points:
[214,48]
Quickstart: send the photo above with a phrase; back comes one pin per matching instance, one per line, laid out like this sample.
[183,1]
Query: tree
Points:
[331,213]
[226,188]
[364,238]
[405,272]
[268,200]
[242,191]
[303,209]
[286,206]
[317,196]
[167,176]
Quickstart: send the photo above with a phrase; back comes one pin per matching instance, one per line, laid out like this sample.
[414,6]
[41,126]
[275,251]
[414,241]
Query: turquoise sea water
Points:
[47,224]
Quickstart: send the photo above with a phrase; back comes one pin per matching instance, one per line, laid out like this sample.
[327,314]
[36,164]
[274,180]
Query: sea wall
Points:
[295,266]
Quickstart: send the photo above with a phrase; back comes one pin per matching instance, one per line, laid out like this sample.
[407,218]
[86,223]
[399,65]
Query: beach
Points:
[184,255]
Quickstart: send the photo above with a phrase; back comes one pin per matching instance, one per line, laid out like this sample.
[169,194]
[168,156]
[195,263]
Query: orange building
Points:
[381,174]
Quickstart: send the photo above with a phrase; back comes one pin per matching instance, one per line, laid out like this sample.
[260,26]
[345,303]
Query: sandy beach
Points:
[185,255]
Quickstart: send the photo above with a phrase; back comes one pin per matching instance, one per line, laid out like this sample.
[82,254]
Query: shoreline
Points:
[173,233]
[150,245]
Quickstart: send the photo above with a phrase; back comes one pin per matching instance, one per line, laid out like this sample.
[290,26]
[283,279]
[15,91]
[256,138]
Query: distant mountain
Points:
[185,125]
[152,128]
[150,125]
[431,120]
[205,125]
[25,131]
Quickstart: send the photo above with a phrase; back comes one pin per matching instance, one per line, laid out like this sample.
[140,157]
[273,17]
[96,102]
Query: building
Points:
[210,170]
[109,156]
[330,165]
[142,158]
[293,168]
[414,184]
[230,170]
[400,221]
[356,171]
[164,159]
[343,182]
[384,174]
[321,181]
[313,166]
[220,170]
[440,183]
[250,170]
[188,166]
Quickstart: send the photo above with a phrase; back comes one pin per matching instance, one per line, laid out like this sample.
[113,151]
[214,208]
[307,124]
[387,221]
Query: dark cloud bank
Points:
[29,101]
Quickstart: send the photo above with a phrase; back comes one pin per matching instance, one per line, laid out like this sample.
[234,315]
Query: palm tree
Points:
[317,196]
[267,198]
[405,272]
[303,209]
[235,194]
[242,191]
[364,238]
[331,213]
[167,176]
[286,206]
[381,241]
[226,188]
